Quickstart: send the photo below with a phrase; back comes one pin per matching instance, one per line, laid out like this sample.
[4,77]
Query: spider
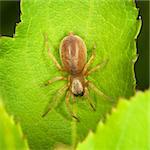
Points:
[73,54]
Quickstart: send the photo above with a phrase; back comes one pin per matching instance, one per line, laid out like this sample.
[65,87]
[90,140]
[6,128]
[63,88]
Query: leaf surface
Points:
[127,128]
[11,136]
[25,66]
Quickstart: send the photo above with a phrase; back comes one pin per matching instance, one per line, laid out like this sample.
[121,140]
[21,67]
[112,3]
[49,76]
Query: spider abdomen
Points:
[73,54]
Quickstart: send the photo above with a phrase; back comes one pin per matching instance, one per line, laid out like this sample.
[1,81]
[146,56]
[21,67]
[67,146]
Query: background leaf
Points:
[11,137]
[25,65]
[126,129]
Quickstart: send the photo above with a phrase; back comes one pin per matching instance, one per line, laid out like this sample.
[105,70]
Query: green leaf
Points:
[127,128]
[11,137]
[25,65]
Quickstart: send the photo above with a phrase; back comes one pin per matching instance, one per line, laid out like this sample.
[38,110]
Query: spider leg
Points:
[51,55]
[99,92]
[90,61]
[89,100]
[55,79]
[73,98]
[68,106]
[57,100]
[98,66]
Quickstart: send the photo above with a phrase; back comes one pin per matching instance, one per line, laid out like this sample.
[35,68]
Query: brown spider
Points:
[73,54]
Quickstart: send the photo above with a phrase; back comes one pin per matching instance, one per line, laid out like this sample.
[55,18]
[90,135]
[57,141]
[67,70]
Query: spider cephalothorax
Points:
[77,86]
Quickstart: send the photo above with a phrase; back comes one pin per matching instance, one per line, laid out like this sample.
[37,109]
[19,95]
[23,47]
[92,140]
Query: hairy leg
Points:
[55,100]
[93,87]
[90,61]
[51,55]
[68,106]
[98,66]
[55,79]
[73,98]
[88,98]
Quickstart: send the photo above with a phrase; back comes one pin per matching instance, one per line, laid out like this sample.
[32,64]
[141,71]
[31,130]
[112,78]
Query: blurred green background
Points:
[10,15]
[142,66]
